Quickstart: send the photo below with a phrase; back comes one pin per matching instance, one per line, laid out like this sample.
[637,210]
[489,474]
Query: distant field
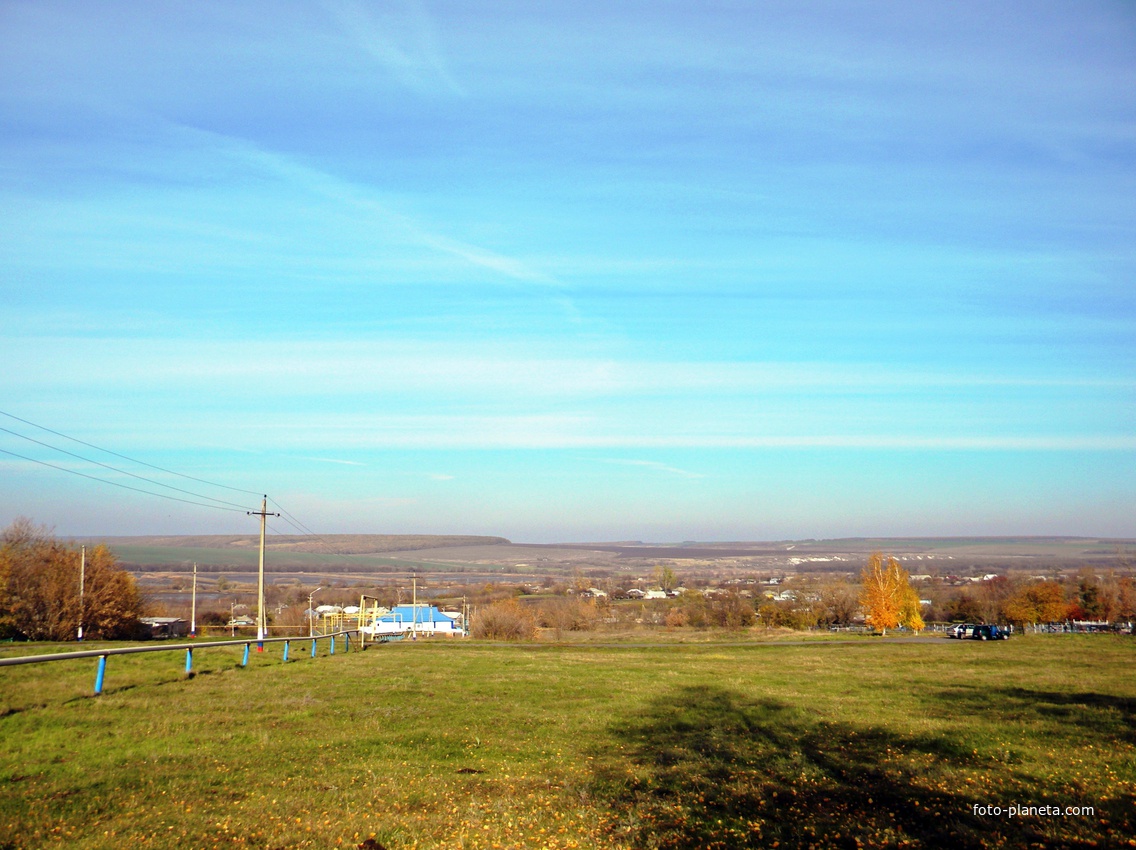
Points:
[867,743]
[363,554]
[1052,547]
[345,544]
[181,559]
[349,553]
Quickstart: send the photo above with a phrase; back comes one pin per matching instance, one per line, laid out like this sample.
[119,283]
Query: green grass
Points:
[461,744]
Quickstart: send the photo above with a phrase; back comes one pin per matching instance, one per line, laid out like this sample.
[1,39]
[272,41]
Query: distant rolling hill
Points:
[301,551]
[368,553]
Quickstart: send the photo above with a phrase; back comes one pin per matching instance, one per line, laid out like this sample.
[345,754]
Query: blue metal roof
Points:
[409,614]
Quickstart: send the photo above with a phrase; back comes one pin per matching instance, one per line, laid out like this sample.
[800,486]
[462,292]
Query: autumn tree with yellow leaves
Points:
[1036,602]
[887,596]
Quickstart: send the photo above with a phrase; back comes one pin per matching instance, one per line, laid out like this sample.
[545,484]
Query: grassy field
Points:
[868,743]
[212,561]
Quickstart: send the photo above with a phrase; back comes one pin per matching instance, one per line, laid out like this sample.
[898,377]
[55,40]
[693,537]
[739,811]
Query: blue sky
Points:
[573,271]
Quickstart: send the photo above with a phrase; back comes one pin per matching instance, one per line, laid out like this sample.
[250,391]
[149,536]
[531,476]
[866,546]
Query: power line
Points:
[124,457]
[303,529]
[221,503]
[123,486]
[116,469]
[292,521]
[285,518]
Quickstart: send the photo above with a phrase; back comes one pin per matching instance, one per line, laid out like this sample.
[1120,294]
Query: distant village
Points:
[1082,600]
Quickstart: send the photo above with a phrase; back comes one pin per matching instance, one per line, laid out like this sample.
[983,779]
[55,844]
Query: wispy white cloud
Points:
[902,442]
[332,460]
[401,38]
[360,199]
[356,432]
[656,466]
[458,370]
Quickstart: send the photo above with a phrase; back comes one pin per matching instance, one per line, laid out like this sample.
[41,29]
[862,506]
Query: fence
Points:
[103,654]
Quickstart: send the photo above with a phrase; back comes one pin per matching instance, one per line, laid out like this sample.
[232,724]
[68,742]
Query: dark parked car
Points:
[989,633]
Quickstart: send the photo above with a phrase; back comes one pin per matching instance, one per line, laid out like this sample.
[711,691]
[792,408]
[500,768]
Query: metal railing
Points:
[103,654]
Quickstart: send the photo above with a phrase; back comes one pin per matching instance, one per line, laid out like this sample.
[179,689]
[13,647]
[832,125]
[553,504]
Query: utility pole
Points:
[311,613]
[193,605]
[82,582]
[261,622]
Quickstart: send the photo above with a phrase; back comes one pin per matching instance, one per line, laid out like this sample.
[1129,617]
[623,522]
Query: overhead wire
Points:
[221,504]
[119,484]
[292,521]
[124,457]
[303,529]
[116,469]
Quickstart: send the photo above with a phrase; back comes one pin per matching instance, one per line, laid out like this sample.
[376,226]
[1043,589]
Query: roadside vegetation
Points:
[883,599]
[441,744]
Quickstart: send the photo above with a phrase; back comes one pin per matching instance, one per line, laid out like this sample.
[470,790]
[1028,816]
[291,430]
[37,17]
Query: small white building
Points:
[414,619]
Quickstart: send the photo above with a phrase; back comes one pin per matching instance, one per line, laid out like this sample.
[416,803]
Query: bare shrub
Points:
[568,615]
[692,609]
[732,611]
[505,620]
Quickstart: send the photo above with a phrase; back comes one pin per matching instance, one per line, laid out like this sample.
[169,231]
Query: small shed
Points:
[165,627]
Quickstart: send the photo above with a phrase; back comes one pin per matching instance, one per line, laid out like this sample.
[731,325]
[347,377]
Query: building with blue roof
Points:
[417,619]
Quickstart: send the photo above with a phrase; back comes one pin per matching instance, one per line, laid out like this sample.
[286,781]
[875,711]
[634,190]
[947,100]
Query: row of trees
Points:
[40,589]
[512,619]
[884,598]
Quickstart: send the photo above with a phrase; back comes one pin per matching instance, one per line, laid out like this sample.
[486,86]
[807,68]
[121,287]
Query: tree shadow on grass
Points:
[1112,718]
[707,768]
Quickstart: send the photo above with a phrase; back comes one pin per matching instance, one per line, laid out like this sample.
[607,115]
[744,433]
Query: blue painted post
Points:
[333,644]
[286,650]
[313,647]
[100,674]
[347,642]
[245,660]
[189,662]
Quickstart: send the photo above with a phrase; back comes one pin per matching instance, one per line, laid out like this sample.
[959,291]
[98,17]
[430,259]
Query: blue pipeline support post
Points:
[100,674]
[333,644]
[313,647]
[286,643]
[245,660]
[189,662]
[347,642]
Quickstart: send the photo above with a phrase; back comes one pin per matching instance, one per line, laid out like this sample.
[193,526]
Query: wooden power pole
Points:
[82,584]
[193,605]
[261,621]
